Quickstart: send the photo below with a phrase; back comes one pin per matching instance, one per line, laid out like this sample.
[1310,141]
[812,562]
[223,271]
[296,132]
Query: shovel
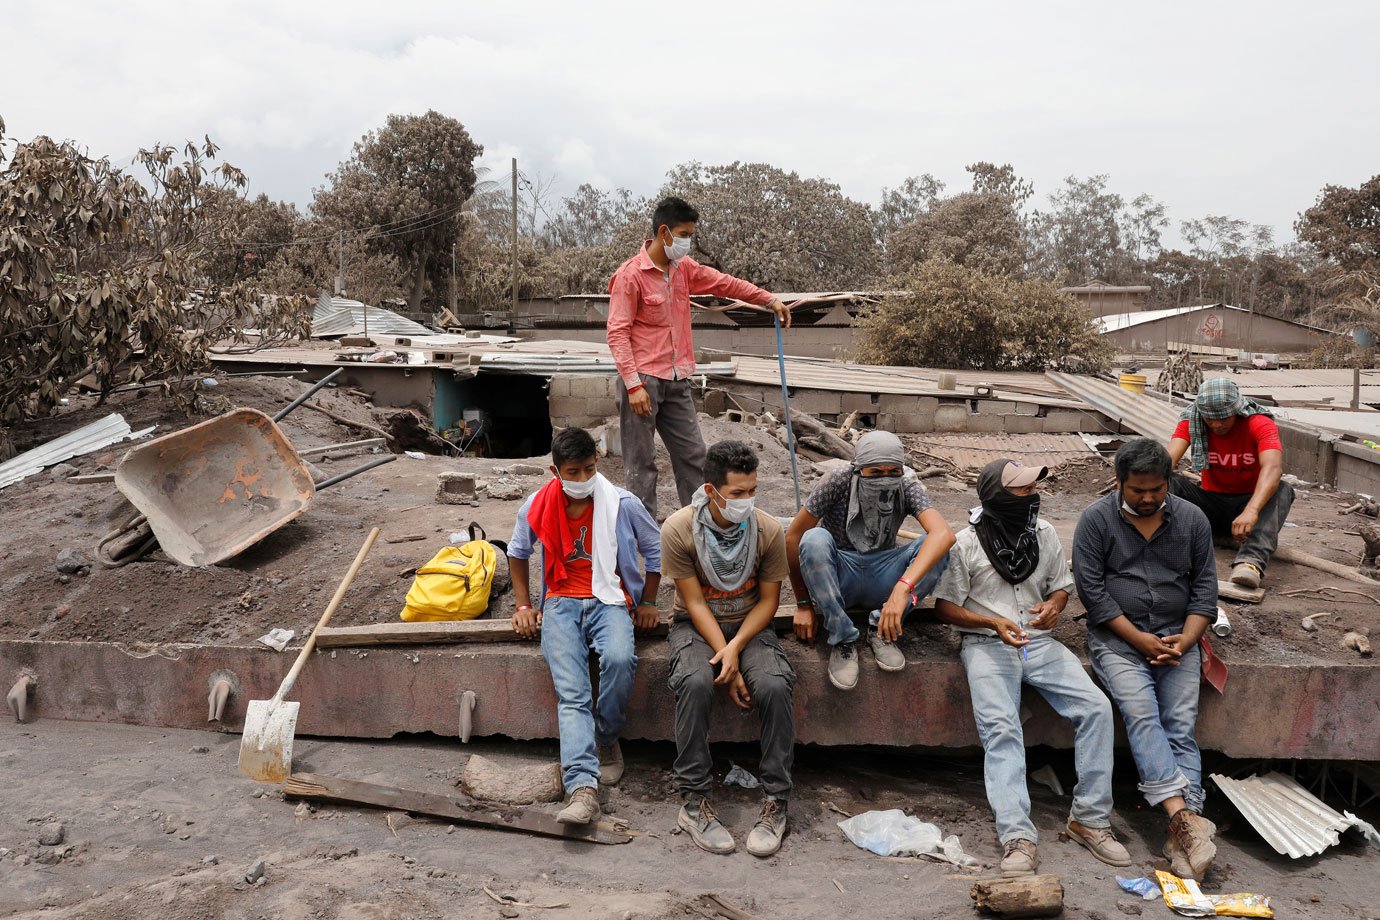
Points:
[266,744]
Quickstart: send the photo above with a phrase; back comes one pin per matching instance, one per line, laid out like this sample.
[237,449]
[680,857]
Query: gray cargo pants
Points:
[1222,508]
[673,415]
[770,681]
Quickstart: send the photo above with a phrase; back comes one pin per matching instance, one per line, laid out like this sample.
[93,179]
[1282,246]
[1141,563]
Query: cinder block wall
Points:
[922,414]
[581,400]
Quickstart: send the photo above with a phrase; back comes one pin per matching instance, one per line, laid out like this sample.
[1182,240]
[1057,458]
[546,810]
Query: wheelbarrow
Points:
[210,491]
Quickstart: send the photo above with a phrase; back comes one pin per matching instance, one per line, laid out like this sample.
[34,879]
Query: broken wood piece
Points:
[457,631]
[458,810]
[85,478]
[1299,557]
[341,448]
[347,422]
[823,437]
[1359,642]
[1237,592]
[849,421]
[1030,896]
[838,886]
[1308,624]
[405,538]
[513,902]
[719,906]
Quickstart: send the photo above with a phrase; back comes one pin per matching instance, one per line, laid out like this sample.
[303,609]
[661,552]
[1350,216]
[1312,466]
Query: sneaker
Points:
[765,837]
[1246,575]
[697,819]
[582,808]
[1019,857]
[1193,835]
[843,666]
[1100,842]
[885,652]
[611,764]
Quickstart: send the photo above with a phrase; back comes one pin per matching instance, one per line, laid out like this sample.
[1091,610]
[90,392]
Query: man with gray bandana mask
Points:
[842,552]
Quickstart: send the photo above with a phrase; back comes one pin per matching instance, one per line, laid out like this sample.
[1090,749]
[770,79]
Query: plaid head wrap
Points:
[1217,398]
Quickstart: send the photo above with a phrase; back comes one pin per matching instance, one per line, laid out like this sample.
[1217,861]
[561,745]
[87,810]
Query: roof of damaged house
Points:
[337,316]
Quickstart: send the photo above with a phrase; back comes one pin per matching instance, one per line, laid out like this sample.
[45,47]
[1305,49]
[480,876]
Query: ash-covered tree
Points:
[1079,237]
[409,182]
[901,205]
[95,264]
[980,230]
[776,229]
[1343,229]
[955,316]
[255,230]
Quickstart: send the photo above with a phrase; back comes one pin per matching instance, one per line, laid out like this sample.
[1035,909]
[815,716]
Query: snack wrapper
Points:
[1185,898]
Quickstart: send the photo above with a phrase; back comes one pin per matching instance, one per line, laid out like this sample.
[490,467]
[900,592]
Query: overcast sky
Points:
[1244,108]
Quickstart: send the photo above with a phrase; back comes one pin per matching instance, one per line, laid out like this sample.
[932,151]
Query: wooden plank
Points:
[1238,593]
[458,809]
[462,631]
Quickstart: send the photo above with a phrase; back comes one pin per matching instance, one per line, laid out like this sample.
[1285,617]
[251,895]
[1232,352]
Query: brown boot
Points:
[1192,835]
[582,808]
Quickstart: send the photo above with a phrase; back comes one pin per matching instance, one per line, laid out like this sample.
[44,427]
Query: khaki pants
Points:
[673,416]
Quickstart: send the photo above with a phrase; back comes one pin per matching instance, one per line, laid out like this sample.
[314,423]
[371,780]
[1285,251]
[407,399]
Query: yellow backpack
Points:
[455,584]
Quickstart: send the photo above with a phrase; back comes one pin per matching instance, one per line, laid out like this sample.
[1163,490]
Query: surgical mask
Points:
[1134,513]
[679,248]
[578,490]
[736,510]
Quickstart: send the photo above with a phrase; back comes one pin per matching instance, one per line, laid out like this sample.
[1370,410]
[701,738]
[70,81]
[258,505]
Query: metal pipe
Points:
[283,412]
[341,477]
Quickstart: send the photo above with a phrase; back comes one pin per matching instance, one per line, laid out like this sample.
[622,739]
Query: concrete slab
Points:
[1303,711]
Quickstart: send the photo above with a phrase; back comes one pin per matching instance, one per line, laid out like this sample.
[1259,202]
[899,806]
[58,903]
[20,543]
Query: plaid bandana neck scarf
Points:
[1217,398]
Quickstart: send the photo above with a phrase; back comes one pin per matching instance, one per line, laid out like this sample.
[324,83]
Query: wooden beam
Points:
[1239,593]
[457,809]
[458,631]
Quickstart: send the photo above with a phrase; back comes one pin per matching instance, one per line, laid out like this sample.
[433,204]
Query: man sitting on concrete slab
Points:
[591,535]
[1236,447]
[728,560]
[649,336]
[1005,586]
[842,552]
[1144,568]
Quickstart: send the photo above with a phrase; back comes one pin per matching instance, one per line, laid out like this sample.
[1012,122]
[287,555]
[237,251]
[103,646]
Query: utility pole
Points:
[340,272]
[512,315]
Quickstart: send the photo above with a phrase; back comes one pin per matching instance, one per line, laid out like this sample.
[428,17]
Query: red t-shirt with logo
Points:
[579,565]
[1234,460]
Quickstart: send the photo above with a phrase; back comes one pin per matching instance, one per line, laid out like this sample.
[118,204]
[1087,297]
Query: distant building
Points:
[1209,329]
[1103,299]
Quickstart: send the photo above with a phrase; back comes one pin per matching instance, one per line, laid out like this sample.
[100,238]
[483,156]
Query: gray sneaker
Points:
[765,837]
[582,808]
[843,666]
[611,764]
[697,819]
[885,652]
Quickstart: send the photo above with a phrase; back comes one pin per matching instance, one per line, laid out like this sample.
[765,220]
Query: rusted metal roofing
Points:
[1143,413]
[334,316]
[1290,818]
[971,451]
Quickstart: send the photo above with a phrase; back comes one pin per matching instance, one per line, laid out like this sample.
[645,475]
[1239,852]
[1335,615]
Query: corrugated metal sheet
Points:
[1142,413]
[546,365]
[109,430]
[838,376]
[1361,424]
[335,316]
[1290,818]
[976,451]
[1115,322]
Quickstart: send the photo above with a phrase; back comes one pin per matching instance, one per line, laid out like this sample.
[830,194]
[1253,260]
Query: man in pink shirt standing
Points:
[649,335]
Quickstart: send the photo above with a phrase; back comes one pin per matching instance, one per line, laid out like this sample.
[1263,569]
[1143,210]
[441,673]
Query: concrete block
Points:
[1062,421]
[1094,423]
[591,387]
[817,402]
[910,422]
[565,406]
[951,418]
[903,402]
[996,407]
[1024,408]
[560,385]
[861,402]
[988,424]
[1024,424]
[454,488]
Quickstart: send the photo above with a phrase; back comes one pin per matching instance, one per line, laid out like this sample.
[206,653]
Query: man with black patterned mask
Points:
[843,554]
[1005,586]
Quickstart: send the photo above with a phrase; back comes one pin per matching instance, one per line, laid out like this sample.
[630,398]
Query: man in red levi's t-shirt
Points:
[1235,446]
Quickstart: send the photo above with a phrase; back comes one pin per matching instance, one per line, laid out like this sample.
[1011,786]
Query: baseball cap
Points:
[1017,474]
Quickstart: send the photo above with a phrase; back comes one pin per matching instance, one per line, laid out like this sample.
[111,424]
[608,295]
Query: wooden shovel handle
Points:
[310,645]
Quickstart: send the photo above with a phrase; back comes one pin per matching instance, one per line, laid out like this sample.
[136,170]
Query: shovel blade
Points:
[266,745]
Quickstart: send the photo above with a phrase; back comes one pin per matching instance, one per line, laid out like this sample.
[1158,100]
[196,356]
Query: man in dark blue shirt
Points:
[1144,567]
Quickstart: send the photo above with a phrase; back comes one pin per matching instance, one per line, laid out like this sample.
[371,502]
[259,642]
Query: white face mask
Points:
[679,248]
[1134,513]
[736,510]
[578,490]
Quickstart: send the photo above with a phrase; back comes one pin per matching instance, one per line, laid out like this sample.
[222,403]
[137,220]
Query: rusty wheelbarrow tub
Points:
[214,489]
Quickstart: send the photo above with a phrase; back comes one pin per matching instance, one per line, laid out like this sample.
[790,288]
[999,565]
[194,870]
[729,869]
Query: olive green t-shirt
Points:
[679,560]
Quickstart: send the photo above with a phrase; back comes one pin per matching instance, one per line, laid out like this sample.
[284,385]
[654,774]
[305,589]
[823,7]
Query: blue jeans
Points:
[995,674]
[570,628]
[1159,705]
[839,579]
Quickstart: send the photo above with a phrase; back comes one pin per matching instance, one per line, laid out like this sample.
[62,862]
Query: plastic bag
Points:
[895,833]
[737,776]
[1147,889]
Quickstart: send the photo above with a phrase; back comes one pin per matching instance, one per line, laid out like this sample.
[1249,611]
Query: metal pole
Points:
[512,315]
[1356,383]
[340,274]
[786,404]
